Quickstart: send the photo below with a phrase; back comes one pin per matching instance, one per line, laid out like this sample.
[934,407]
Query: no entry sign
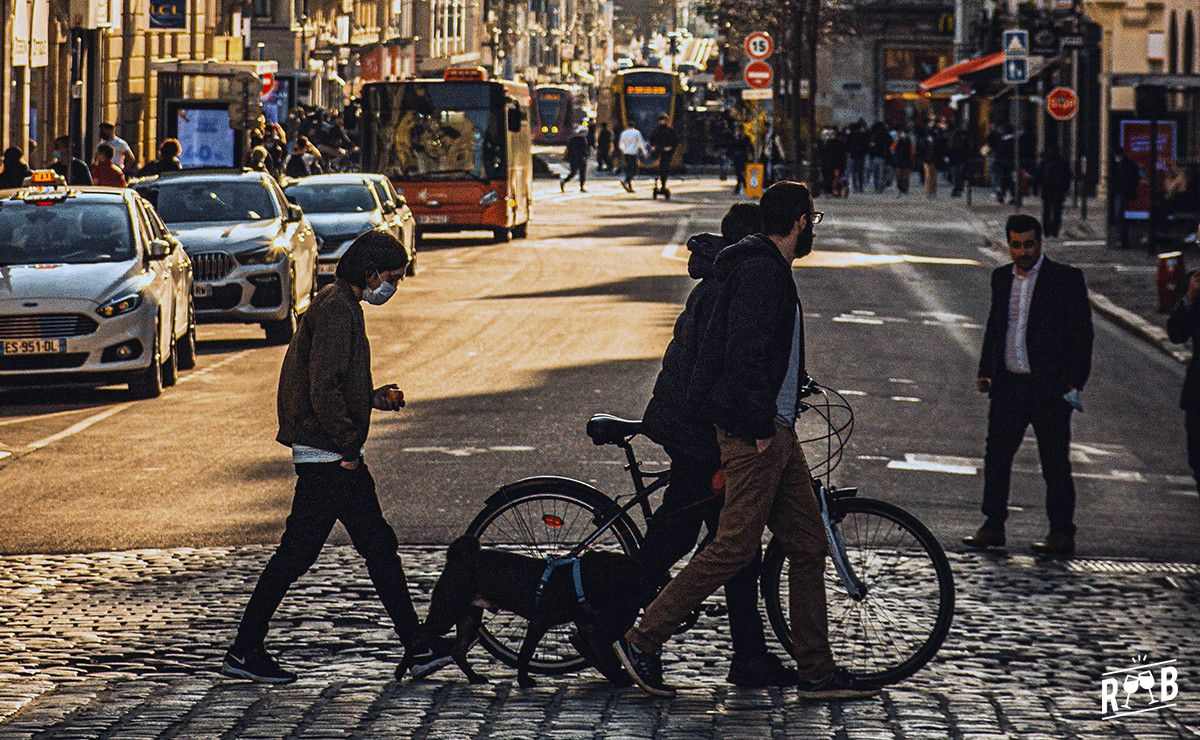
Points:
[1062,103]
[758,74]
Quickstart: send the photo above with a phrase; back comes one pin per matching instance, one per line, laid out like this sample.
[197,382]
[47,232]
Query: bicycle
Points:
[889,586]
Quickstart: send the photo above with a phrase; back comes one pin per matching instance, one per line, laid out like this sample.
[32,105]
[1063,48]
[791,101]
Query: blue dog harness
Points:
[553,564]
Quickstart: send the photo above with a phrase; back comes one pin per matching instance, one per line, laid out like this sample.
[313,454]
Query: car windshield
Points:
[69,231]
[437,131]
[332,198]
[182,200]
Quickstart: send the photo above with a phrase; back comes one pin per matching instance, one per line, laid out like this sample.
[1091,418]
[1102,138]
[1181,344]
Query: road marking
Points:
[851,393]
[880,458]
[678,239]
[906,399]
[512,448]
[4,454]
[903,381]
[39,417]
[935,464]
[77,428]
[843,319]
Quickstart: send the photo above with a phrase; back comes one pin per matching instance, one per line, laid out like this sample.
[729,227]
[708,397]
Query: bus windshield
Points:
[647,96]
[437,131]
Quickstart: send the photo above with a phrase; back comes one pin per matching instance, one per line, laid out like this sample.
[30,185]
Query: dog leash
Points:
[553,564]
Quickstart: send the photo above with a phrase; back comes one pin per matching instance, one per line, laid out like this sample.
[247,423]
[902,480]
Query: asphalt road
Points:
[504,351]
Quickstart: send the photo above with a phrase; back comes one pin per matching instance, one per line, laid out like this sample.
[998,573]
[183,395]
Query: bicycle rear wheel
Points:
[905,614]
[540,518]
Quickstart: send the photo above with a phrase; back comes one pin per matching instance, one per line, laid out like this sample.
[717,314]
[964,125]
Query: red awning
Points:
[950,76]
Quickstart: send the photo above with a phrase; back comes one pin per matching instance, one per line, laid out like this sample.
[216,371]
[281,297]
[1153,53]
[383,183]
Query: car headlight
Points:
[121,305]
[491,198]
[267,256]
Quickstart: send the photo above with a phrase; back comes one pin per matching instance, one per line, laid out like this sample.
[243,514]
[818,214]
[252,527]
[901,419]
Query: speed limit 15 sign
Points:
[759,45]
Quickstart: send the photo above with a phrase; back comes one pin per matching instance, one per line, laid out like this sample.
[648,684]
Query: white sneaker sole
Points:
[233,671]
[417,672]
[637,679]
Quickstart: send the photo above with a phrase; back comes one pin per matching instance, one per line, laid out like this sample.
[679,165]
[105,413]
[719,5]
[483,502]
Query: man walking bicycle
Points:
[324,403]
[747,381]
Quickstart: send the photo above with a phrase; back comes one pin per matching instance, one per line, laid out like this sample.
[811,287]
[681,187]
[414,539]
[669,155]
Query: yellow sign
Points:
[646,90]
[755,174]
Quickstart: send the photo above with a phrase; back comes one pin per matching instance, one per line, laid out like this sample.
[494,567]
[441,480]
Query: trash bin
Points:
[1170,278]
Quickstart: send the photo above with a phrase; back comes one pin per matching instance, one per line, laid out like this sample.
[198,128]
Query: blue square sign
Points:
[1016,70]
[1016,43]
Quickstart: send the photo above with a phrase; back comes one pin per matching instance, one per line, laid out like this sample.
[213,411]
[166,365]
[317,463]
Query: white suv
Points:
[93,290]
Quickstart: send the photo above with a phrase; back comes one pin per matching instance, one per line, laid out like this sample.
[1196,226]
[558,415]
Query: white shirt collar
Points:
[1033,270]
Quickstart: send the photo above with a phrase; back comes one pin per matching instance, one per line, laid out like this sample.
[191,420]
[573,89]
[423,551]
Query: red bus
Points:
[457,149]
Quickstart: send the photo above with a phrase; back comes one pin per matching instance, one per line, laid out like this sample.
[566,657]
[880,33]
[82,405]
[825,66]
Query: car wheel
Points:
[149,382]
[187,348]
[170,366]
[499,236]
[281,332]
[521,231]
[411,268]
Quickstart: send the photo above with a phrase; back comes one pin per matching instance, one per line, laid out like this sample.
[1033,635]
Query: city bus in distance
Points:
[639,96]
[557,111]
[457,149]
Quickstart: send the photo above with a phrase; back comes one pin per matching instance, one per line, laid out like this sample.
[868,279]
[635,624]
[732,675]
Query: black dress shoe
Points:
[1056,544]
[985,537]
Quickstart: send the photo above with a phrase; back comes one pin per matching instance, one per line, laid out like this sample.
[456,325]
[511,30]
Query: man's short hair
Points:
[107,125]
[372,252]
[62,141]
[1019,223]
[107,150]
[742,220]
[170,147]
[782,205]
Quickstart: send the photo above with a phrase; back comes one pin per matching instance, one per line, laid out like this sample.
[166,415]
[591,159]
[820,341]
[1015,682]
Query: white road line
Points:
[851,393]
[934,464]
[39,417]
[906,399]
[77,428]
[4,454]
[678,239]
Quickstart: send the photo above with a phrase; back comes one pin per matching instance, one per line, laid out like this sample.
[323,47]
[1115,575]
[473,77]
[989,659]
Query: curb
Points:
[1123,317]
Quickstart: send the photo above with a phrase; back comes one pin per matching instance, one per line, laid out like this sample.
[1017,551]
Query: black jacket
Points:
[747,344]
[1183,325]
[577,148]
[1054,176]
[1058,335]
[75,172]
[663,139]
[669,420]
[325,391]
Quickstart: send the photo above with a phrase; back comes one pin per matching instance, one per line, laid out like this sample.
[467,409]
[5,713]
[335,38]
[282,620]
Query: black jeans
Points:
[664,169]
[327,493]
[672,534]
[1052,208]
[1191,423]
[577,168]
[857,168]
[1017,403]
[631,168]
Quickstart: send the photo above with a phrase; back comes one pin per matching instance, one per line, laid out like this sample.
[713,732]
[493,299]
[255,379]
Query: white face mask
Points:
[381,295]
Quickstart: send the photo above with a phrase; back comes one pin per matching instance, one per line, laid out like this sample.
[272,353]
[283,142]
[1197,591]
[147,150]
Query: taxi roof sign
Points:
[45,178]
[465,74]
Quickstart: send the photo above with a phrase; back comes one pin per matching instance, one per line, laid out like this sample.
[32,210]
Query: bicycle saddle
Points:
[605,429]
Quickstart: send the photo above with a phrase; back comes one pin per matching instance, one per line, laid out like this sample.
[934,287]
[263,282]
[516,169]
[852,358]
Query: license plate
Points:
[200,290]
[326,268]
[33,346]
[433,219]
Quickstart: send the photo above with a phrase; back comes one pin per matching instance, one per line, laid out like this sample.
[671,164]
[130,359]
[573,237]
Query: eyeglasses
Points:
[816,217]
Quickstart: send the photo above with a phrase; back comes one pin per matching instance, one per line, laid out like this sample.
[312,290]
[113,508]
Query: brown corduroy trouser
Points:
[772,488]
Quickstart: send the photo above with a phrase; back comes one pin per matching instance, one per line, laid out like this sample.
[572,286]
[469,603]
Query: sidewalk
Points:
[1121,282]
[126,645]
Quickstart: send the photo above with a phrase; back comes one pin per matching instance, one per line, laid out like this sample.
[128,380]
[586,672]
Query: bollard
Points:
[1170,278]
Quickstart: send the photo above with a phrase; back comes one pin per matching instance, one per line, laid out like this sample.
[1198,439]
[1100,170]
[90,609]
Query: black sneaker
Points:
[432,659]
[838,684]
[644,668]
[257,665]
[761,670]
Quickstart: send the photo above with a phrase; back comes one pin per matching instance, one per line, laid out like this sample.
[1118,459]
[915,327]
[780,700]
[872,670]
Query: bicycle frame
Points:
[642,491]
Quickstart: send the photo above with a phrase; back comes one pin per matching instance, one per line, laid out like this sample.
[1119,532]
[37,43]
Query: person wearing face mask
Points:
[747,382]
[72,169]
[324,403]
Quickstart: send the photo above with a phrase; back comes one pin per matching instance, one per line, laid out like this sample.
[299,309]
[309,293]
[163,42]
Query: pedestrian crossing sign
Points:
[1016,43]
[1016,70]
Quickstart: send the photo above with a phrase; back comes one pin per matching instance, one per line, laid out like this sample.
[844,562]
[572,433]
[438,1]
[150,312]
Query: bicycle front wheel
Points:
[541,518]
[903,618]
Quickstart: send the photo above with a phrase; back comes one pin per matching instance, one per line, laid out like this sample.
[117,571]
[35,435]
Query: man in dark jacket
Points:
[741,152]
[577,157]
[604,139]
[1183,325]
[856,148]
[1036,358]
[73,169]
[748,381]
[693,497]
[663,143]
[1054,180]
[324,403]
[1124,180]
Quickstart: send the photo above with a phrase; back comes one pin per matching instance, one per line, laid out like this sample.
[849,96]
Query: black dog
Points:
[476,579]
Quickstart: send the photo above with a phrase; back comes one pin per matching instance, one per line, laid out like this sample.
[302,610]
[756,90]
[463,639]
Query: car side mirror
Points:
[514,120]
[159,249]
[295,213]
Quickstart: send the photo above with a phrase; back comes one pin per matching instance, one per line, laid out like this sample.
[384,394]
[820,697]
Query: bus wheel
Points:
[521,231]
[499,236]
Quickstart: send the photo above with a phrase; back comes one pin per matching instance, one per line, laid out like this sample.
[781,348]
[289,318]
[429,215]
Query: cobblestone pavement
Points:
[125,645]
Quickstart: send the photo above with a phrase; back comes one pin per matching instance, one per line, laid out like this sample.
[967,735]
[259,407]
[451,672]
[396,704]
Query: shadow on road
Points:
[643,288]
[34,401]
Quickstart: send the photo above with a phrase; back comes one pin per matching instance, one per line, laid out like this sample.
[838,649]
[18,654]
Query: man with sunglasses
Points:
[748,381]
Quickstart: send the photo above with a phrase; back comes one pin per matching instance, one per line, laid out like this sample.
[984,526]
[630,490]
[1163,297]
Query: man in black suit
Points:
[1183,325]
[1037,354]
